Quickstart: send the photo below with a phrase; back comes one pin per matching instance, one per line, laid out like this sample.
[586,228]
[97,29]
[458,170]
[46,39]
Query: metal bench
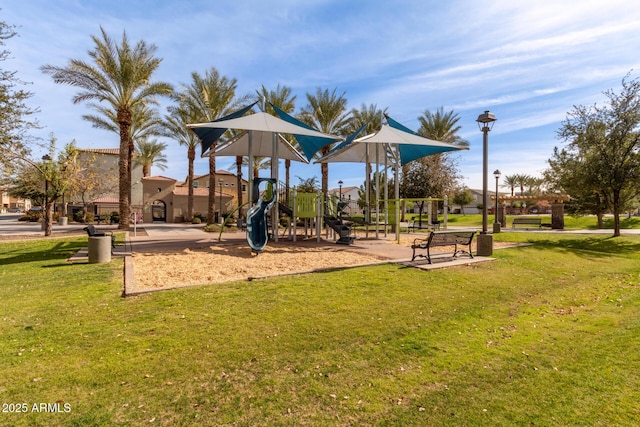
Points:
[444,238]
[92,232]
[424,226]
[526,221]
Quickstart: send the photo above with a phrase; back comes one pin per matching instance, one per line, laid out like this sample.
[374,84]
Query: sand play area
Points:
[218,262]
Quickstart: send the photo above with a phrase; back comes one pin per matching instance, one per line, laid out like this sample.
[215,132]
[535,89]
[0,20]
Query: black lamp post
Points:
[485,124]
[340,187]
[496,223]
[221,182]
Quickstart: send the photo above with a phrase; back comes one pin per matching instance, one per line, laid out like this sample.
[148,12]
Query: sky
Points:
[529,63]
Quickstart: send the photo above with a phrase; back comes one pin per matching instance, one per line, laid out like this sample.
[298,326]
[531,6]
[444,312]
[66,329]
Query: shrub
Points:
[196,220]
[78,216]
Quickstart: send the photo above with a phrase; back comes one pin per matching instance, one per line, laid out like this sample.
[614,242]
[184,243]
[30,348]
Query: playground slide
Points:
[257,225]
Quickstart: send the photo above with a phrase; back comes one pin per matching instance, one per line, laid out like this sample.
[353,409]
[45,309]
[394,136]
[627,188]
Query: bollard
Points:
[99,249]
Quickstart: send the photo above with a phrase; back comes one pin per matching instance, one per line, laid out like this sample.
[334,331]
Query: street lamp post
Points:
[485,241]
[496,222]
[340,187]
[221,182]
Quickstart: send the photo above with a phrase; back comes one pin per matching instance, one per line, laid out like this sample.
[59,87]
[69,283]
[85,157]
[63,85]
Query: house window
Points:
[207,184]
[195,184]
[244,187]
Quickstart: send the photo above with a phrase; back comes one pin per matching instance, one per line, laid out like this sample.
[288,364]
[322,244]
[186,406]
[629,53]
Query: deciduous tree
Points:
[602,152]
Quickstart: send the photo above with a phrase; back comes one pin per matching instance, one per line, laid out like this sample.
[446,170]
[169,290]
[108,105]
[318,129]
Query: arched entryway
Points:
[159,211]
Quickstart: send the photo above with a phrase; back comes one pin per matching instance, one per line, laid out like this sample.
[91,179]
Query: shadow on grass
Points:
[625,223]
[58,251]
[592,245]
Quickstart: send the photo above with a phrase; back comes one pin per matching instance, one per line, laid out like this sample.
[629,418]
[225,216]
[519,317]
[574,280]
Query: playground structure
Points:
[393,144]
[311,216]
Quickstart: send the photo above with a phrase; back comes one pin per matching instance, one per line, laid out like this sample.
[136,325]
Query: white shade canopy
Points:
[262,145]
[263,122]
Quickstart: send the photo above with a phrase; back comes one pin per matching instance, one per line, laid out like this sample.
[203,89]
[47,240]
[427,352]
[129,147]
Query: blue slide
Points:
[257,226]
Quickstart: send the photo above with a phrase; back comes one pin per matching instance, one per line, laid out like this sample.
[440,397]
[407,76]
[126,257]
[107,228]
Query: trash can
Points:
[63,220]
[99,249]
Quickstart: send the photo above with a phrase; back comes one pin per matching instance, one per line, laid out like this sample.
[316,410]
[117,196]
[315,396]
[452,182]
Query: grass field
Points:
[548,334]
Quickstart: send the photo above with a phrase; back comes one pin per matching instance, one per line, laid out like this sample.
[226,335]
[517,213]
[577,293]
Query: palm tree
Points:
[209,97]
[176,129]
[510,181]
[145,123]
[150,153]
[442,126]
[119,76]
[282,98]
[522,181]
[327,112]
[359,117]
[259,163]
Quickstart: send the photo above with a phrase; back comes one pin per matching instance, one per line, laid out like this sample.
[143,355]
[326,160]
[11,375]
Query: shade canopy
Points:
[310,145]
[410,146]
[401,144]
[209,135]
[266,123]
[262,145]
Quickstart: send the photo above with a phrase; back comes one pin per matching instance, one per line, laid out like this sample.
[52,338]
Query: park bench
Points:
[526,221]
[444,238]
[92,232]
[413,225]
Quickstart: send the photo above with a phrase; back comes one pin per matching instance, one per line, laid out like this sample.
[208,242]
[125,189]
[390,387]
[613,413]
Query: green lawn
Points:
[548,334]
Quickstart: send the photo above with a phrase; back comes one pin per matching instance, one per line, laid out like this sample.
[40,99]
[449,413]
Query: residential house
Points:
[166,200]
[98,191]
[350,195]
[9,203]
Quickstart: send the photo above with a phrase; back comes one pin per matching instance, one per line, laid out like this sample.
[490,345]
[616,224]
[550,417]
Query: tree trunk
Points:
[616,214]
[124,179]
[48,216]
[211,213]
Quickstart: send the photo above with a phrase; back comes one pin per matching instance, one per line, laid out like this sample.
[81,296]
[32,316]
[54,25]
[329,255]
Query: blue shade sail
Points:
[310,145]
[208,136]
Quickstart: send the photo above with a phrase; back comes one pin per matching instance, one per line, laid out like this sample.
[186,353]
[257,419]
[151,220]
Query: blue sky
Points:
[528,63]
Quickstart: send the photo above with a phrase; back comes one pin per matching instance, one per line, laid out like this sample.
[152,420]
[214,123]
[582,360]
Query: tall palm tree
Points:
[510,181]
[359,117]
[209,97]
[442,126]
[176,128]
[282,98]
[150,153]
[145,123]
[119,76]
[327,112]
[522,180]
